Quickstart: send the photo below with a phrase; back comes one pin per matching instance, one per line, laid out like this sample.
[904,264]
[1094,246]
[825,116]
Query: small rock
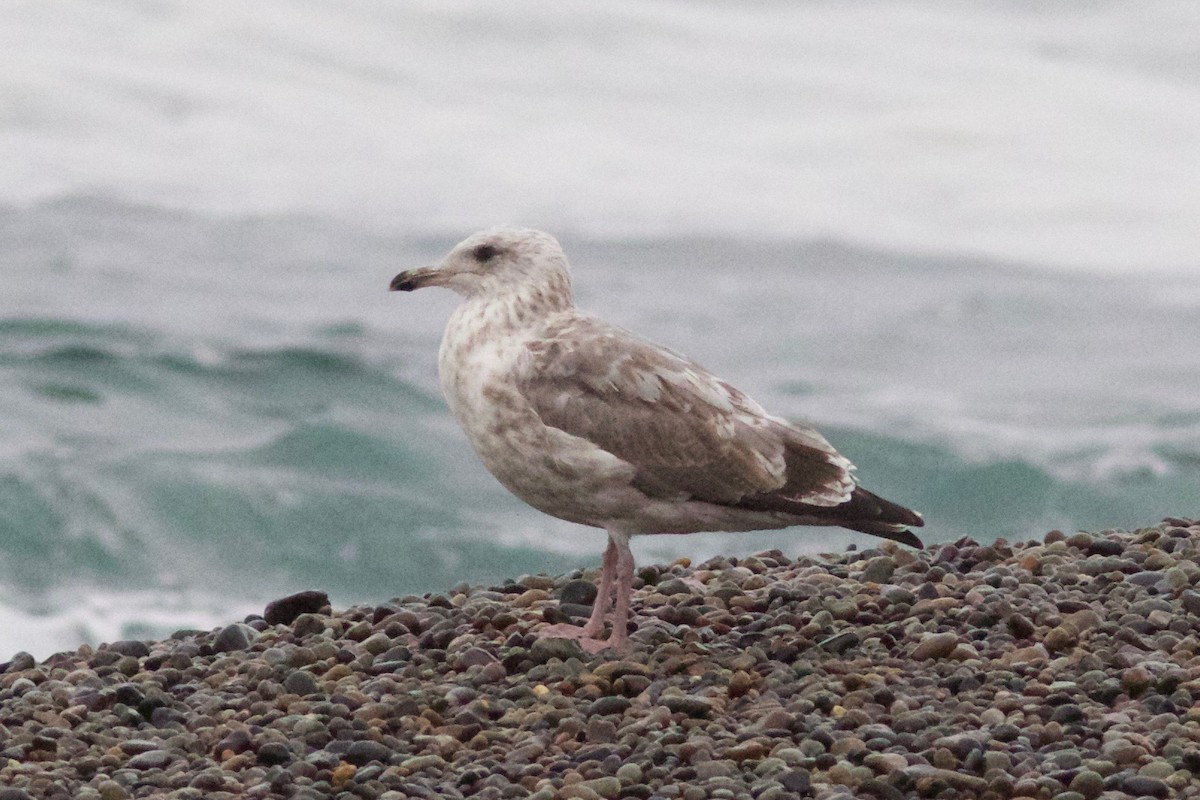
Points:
[690,705]
[285,610]
[879,570]
[1025,655]
[796,781]
[476,657]
[307,625]
[20,662]
[1068,713]
[301,683]
[418,763]
[233,638]
[151,759]
[365,751]
[934,646]
[673,586]
[578,592]
[1141,785]
[1191,602]
[273,753]
[111,790]
[1019,626]
[609,704]
[130,647]
[601,731]
[840,642]
[545,649]
[629,773]
[607,787]
[897,594]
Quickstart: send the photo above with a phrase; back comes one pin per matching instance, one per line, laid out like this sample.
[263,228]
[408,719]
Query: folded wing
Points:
[687,433]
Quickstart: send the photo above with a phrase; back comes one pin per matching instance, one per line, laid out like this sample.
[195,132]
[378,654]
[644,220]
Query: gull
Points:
[587,422]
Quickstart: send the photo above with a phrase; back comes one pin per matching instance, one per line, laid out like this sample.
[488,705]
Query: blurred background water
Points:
[961,239]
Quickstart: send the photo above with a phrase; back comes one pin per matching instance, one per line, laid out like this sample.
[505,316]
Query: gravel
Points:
[1059,669]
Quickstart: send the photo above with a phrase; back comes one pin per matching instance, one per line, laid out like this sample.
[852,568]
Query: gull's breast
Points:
[557,473]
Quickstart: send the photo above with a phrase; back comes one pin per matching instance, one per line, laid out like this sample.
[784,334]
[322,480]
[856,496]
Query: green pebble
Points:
[770,766]
[1087,783]
[811,748]
[791,755]
[111,790]
[629,773]
[1157,769]
[417,763]
[607,787]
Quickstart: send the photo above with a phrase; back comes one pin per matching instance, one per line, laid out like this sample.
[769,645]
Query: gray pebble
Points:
[151,759]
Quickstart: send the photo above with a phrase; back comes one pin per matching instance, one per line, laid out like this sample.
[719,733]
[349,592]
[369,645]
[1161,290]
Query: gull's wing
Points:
[686,432]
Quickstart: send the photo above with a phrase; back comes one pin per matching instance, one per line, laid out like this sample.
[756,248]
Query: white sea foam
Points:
[1058,135]
[63,620]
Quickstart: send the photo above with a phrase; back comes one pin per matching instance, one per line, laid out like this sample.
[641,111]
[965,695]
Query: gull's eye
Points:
[484,253]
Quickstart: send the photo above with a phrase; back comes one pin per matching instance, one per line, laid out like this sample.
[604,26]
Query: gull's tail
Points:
[864,512]
[880,517]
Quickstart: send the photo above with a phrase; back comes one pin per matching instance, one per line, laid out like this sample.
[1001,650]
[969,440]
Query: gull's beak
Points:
[413,279]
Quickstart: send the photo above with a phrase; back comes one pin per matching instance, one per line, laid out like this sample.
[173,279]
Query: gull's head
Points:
[495,262]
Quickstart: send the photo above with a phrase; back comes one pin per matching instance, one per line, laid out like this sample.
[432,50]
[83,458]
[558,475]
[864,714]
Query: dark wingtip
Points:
[909,538]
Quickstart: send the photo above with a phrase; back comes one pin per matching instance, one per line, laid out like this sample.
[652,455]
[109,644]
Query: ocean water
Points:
[960,240]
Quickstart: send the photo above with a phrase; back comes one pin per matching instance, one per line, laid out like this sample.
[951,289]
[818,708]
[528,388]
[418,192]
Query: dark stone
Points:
[578,592]
[1141,786]
[1191,602]
[301,683]
[545,649]
[92,699]
[129,694]
[796,781]
[873,787]
[130,647]
[692,706]
[1020,626]
[1068,713]
[233,638]
[553,616]
[1105,547]
[611,704]
[285,610]
[364,752]
[236,742]
[1149,578]
[840,642]
[574,611]
[20,662]
[15,794]
[1005,732]
[273,753]
[154,701]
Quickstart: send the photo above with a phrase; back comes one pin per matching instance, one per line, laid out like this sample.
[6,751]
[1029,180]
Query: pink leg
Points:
[624,588]
[604,592]
[586,635]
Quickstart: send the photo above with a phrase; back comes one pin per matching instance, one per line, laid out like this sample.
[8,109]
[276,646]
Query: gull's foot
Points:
[587,642]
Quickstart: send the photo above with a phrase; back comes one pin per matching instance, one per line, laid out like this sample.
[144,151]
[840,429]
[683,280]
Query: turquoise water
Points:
[164,439]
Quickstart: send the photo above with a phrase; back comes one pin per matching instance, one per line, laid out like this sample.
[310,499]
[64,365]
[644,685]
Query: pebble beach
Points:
[1062,669]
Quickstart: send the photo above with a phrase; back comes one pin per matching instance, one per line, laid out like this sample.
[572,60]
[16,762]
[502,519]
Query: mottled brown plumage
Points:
[587,422]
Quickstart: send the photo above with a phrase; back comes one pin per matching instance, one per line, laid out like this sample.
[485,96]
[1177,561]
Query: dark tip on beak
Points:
[403,282]
[412,279]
